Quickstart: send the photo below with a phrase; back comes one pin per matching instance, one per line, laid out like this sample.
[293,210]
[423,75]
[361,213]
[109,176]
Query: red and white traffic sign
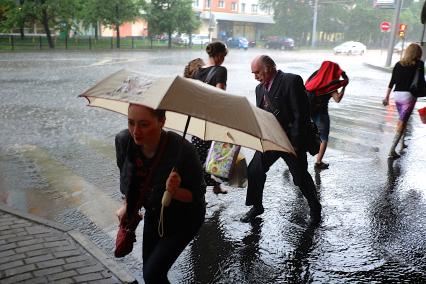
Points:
[385,26]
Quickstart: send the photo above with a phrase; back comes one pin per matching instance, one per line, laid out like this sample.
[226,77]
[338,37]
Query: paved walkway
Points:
[35,250]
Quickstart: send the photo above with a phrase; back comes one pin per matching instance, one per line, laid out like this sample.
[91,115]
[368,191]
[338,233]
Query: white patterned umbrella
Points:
[211,113]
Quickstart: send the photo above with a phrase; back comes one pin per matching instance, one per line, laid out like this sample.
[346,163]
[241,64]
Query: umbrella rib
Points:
[205,130]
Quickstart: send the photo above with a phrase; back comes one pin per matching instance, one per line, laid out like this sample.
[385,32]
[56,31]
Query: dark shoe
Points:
[252,213]
[321,166]
[393,155]
[315,217]
[217,189]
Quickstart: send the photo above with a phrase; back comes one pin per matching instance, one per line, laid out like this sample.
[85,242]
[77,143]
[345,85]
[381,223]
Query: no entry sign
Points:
[385,26]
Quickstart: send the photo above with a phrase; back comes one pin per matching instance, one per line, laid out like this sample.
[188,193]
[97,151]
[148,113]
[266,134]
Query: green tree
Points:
[353,19]
[52,14]
[168,16]
[90,15]
[293,18]
[67,13]
[12,15]
[411,14]
[114,13]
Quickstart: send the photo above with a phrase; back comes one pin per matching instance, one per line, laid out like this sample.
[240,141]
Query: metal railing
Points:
[16,42]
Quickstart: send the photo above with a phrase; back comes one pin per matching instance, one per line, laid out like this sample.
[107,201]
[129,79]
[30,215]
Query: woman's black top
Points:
[402,76]
[178,214]
[220,75]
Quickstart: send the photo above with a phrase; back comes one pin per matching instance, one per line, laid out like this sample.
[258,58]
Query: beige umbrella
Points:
[211,113]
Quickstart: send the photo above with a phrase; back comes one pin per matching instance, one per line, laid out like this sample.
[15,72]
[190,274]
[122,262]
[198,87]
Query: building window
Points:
[243,7]
[234,6]
[196,3]
[254,8]
[208,3]
[221,4]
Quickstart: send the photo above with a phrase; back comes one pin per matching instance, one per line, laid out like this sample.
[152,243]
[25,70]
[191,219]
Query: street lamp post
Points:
[210,19]
[314,25]
[395,24]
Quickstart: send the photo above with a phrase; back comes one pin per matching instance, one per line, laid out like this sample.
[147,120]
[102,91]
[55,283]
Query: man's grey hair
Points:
[268,62]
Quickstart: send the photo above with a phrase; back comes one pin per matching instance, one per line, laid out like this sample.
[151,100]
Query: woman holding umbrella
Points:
[216,75]
[147,157]
[402,77]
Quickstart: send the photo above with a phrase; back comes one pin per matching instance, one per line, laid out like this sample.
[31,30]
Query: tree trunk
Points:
[96,31]
[117,25]
[46,28]
[170,39]
[21,31]
[118,35]
[22,25]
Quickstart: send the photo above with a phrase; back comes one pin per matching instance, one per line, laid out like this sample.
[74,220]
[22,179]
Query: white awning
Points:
[261,19]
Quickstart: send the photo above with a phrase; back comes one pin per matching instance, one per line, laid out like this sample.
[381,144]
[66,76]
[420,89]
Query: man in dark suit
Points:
[284,95]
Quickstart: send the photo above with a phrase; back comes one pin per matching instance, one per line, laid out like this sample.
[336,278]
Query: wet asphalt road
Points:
[57,161]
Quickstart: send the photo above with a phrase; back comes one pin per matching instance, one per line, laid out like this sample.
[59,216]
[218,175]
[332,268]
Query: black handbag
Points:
[313,140]
[418,86]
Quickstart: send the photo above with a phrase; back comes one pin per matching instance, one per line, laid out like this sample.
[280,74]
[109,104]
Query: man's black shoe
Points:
[315,217]
[252,213]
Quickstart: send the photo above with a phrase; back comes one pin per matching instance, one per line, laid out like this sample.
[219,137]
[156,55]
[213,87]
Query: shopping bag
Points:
[422,113]
[221,158]
[238,176]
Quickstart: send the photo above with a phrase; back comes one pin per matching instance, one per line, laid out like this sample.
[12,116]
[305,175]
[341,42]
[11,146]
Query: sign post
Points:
[394,27]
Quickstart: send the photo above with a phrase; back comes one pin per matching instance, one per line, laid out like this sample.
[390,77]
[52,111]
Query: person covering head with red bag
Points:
[329,81]
[147,157]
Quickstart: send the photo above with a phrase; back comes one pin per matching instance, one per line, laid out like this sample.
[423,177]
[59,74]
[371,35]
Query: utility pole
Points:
[395,25]
[210,19]
[314,25]
[423,21]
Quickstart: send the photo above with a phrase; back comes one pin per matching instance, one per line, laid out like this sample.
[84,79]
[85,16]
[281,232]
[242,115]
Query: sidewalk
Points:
[376,59]
[35,250]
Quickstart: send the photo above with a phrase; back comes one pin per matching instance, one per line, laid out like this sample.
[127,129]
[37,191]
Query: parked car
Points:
[252,43]
[398,47]
[180,39]
[350,47]
[279,43]
[237,42]
[200,39]
[162,37]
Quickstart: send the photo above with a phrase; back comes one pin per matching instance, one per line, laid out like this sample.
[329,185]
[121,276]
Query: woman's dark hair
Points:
[158,113]
[216,48]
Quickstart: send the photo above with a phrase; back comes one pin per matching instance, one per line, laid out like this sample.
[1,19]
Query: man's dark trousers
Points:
[298,167]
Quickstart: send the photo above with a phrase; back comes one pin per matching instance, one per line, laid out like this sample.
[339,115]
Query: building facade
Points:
[221,19]
[136,28]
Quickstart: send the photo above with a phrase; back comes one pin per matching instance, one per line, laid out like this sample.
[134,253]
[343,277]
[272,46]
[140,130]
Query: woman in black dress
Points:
[216,75]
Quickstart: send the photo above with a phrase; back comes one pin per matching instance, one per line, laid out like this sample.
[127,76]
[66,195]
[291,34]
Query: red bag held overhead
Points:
[326,79]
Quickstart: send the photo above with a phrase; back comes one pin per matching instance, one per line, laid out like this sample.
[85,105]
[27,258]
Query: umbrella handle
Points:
[165,202]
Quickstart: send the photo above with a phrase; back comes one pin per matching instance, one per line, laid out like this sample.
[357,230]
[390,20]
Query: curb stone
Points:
[379,67]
